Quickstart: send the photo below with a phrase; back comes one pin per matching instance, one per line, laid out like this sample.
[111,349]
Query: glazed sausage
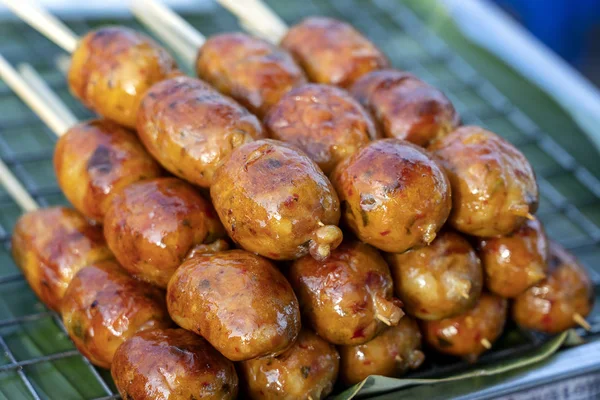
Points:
[323,121]
[190,128]
[50,245]
[113,67]
[347,299]
[493,185]
[438,281]
[103,307]
[515,262]
[470,334]
[237,301]
[275,201]
[172,364]
[560,301]
[406,107]
[332,51]
[395,351]
[96,159]
[307,370]
[394,196]
[249,69]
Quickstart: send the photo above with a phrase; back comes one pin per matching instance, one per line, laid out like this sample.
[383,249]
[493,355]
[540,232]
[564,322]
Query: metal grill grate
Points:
[33,342]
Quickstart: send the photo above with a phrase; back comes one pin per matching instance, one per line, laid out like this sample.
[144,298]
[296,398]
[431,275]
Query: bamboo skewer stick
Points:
[16,190]
[579,320]
[256,17]
[45,23]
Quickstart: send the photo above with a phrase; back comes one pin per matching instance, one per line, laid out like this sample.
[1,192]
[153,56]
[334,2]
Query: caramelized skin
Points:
[190,128]
[406,107]
[439,281]
[96,159]
[396,350]
[172,364]
[347,297]
[466,335]
[332,51]
[249,69]
[275,201]
[103,306]
[237,301]
[51,245]
[515,262]
[113,67]
[394,195]
[493,186]
[307,370]
[152,226]
[323,121]
[550,305]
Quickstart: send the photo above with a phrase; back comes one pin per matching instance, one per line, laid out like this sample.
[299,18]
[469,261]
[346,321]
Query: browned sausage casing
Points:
[394,195]
[190,128]
[332,51]
[249,69]
[396,350]
[323,121]
[275,201]
[51,245]
[348,299]
[406,107]
[104,306]
[172,364]
[559,301]
[307,370]
[96,159]
[237,301]
[152,226]
[515,262]
[438,281]
[493,185]
[113,67]
[470,334]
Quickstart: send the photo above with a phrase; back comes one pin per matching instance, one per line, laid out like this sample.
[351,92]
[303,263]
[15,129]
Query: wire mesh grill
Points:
[38,361]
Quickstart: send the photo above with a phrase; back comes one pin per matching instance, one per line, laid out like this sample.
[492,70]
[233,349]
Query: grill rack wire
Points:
[30,369]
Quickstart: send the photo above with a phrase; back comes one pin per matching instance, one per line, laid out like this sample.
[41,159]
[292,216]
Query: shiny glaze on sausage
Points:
[190,128]
[237,301]
[249,69]
[50,245]
[323,121]
[394,195]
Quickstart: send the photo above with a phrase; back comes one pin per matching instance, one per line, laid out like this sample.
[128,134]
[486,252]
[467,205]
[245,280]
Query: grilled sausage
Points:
[152,226]
[332,51]
[307,370]
[103,307]
[50,245]
[323,121]
[347,299]
[438,281]
[96,159]
[113,67]
[395,351]
[515,262]
[493,185]
[249,69]
[190,128]
[273,200]
[172,364]
[560,301]
[394,196]
[470,334]
[406,107]
[237,301]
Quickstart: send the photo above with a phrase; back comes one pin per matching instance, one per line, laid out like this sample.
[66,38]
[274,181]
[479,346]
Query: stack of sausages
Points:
[351,218]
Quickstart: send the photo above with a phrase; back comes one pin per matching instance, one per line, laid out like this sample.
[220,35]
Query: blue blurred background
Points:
[569,27]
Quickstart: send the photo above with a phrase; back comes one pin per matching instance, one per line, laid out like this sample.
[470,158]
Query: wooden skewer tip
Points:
[579,320]
[486,343]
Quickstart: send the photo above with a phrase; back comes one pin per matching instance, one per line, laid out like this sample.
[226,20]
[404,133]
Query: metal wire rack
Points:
[32,339]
